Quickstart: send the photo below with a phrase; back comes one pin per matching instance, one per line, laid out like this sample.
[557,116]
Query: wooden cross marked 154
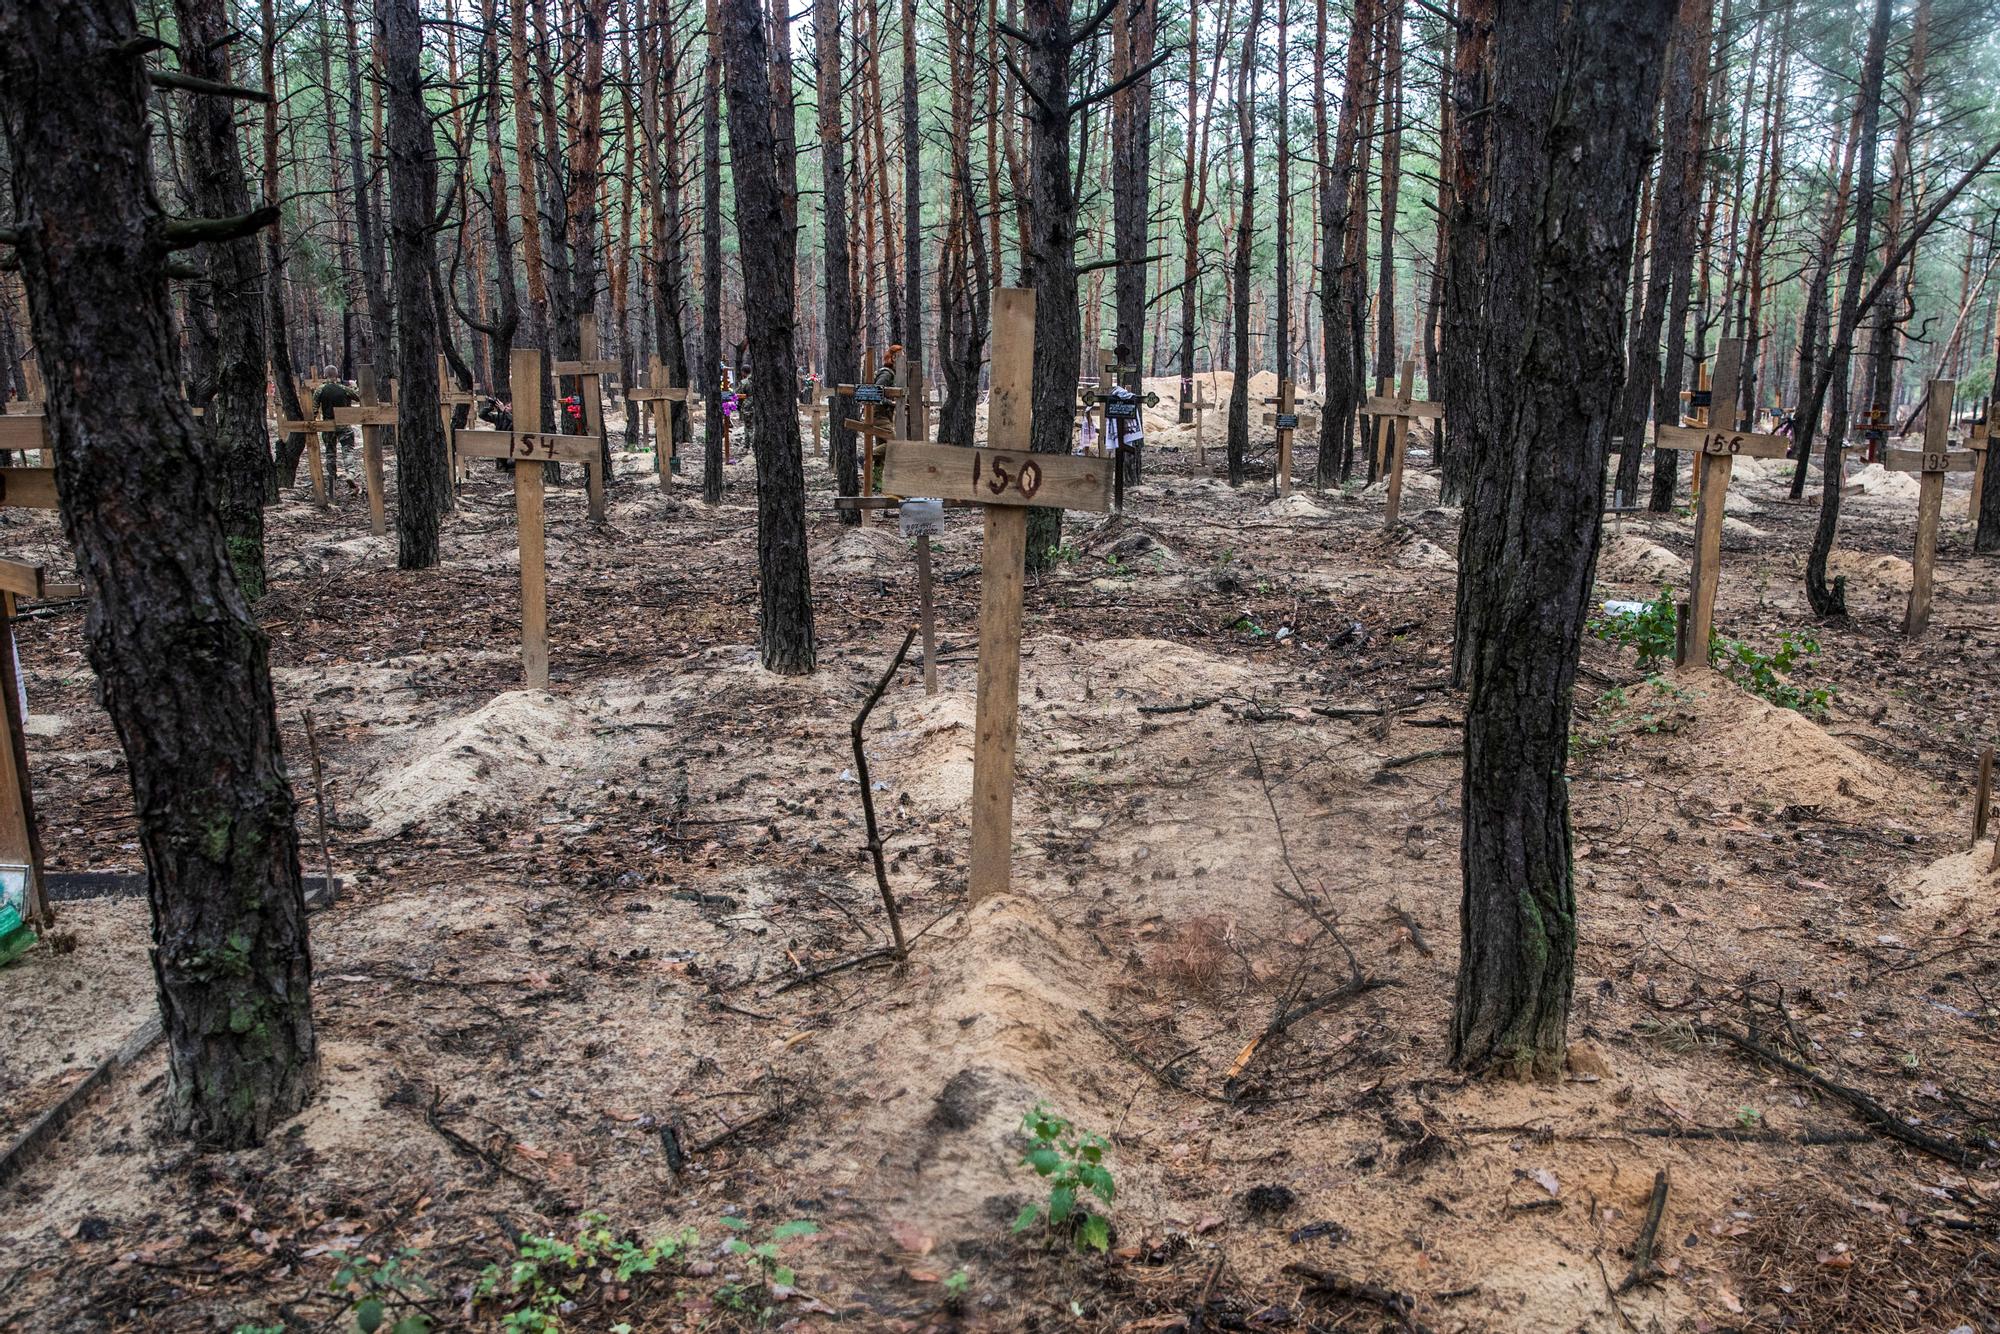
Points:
[533,447]
[1004,479]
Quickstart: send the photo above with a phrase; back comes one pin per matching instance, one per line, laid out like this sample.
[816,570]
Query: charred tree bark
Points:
[1674,237]
[1573,90]
[766,213]
[180,658]
[1246,123]
[368,236]
[423,481]
[843,362]
[508,317]
[234,286]
[1131,198]
[278,341]
[711,261]
[1337,193]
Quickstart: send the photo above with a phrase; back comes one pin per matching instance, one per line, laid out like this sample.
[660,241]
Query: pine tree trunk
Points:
[508,320]
[423,481]
[279,343]
[711,260]
[843,363]
[374,278]
[234,284]
[180,658]
[1573,91]
[1131,201]
[766,189]
[1674,235]
[1246,130]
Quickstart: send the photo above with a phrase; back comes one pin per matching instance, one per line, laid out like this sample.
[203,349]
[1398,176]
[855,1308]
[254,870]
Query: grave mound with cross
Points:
[1003,478]
[657,400]
[1287,419]
[1393,415]
[1931,463]
[589,371]
[867,397]
[371,415]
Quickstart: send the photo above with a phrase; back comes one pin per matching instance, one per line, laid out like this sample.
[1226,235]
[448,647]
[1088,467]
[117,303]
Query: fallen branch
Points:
[1870,1111]
[868,797]
[1649,1235]
[1416,930]
[1162,1073]
[887,954]
[1442,753]
[1192,706]
[1326,1283]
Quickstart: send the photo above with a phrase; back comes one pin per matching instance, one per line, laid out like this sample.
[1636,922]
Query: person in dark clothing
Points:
[885,374]
[334,393]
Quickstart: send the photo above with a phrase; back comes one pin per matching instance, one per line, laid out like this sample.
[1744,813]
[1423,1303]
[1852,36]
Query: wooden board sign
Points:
[528,445]
[1931,460]
[996,476]
[28,488]
[1703,440]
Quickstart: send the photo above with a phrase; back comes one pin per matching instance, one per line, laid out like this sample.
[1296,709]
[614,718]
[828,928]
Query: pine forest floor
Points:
[559,978]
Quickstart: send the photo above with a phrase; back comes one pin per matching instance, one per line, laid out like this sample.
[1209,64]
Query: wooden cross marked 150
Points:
[1004,479]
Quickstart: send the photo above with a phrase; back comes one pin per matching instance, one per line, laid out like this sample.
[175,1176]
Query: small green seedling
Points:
[763,1261]
[1072,1162]
[549,1272]
[380,1287]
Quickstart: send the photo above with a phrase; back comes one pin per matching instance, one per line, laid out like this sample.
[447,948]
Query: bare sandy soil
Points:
[566,974]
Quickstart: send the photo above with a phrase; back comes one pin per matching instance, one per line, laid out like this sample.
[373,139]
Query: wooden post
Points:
[1004,479]
[1716,448]
[20,838]
[867,395]
[1393,417]
[589,371]
[451,396]
[1200,410]
[371,416]
[1287,421]
[659,389]
[920,522]
[530,448]
[1696,404]
[1977,437]
[1935,460]
[1982,795]
[315,430]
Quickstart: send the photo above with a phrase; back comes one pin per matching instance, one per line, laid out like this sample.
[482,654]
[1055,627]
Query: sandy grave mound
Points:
[1296,506]
[1746,469]
[1131,543]
[461,770]
[1423,554]
[1738,528]
[1418,486]
[1743,749]
[1161,666]
[1870,570]
[1955,889]
[1739,504]
[1629,558]
[924,751]
[1875,480]
[868,550]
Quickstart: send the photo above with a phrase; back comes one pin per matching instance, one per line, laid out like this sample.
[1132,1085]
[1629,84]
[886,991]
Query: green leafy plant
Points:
[956,1285]
[1072,1162]
[767,1268]
[1764,674]
[1650,630]
[1749,1118]
[1064,554]
[549,1272]
[381,1288]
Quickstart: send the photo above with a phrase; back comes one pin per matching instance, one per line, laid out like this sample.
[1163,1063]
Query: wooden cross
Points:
[1199,407]
[592,370]
[1875,431]
[1287,420]
[1977,436]
[533,448]
[1392,426]
[816,413]
[371,415]
[1004,479]
[867,396]
[314,429]
[914,412]
[451,396]
[1716,448]
[20,838]
[660,389]
[1933,461]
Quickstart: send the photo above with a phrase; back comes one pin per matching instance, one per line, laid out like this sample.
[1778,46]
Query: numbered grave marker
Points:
[660,389]
[1932,462]
[1287,420]
[371,415]
[532,447]
[868,397]
[1003,479]
[1392,431]
[590,372]
[1716,445]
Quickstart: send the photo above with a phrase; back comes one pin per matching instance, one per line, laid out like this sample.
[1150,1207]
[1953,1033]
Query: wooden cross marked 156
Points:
[1004,479]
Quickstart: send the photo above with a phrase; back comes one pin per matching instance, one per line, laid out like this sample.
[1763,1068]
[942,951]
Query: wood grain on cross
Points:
[371,415]
[590,370]
[660,390]
[20,837]
[1715,447]
[1392,427]
[534,448]
[866,397]
[1287,420]
[1004,479]
[913,413]
[451,396]
[1932,462]
[1977,437]
[315,430]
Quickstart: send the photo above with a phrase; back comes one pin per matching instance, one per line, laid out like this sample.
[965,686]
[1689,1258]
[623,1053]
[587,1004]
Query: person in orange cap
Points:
[885,374]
